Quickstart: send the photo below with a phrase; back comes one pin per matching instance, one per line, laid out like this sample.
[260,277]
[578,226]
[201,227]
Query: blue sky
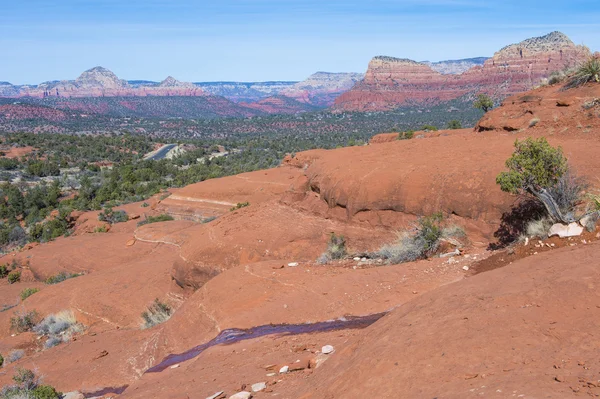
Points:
[257,40]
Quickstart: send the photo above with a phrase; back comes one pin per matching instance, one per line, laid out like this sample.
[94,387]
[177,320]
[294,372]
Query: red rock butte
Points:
[393,82]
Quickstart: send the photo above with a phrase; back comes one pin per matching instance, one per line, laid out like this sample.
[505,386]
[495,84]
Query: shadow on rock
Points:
[514,223]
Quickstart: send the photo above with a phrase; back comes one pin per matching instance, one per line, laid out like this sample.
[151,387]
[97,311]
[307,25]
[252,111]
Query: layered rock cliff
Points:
[393,82]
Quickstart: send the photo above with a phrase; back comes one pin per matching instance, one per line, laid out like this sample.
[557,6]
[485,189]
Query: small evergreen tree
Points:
[483,102]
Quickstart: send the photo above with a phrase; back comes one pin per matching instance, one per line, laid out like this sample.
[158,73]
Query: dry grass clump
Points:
[59,327]
[588,71]
[157,313]
[422,241]
[336,249]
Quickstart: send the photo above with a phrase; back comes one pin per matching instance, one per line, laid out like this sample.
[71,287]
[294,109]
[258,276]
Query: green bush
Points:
[27,385]
[14,277]
[540,171]
[155,219]
[22,322]
[240,205]
[112,217]
[484,103]
[454,124]
[60,277]
[409,134]
[3,271]
[1,360]
[534,165]
[336,249]
[429,128]
[27,292]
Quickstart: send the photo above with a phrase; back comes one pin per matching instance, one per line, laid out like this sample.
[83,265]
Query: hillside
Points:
[391,82]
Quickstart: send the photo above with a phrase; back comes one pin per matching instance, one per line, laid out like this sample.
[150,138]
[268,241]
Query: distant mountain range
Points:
[229,98]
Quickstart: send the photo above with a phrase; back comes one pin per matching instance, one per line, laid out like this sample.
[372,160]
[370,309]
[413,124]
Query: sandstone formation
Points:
[100,82]
[391,82]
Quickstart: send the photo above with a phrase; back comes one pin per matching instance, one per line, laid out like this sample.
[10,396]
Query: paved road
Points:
[161,152]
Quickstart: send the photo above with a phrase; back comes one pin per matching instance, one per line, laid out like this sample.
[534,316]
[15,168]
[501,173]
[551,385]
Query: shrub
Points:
[406,135]
[59,327]
[209,219]
[240,205]
[101,229]
[483,102]
[60,277]
[29,386]
[405,249]
[535,169]
[157,313]
[14,277]
[454,124]
[423,241]
[145,205]
[1,360]
[27,292]
[155,219]
[538,228]
[557,77]
[588,71]
[112,217]
[336,249]
[15,355]
[3,271]
[567,192]
[429,128]
[22,322]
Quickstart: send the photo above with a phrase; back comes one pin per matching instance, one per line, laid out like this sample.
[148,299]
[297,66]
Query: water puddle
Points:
[233,335]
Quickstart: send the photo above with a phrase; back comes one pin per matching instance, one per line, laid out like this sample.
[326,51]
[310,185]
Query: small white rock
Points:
[363,260]
[293,264]
[241,395]
[259,386]
[327,349]
[284,370]
[271,374]
[175,366]
[357,259]
[465,268]
[216,395]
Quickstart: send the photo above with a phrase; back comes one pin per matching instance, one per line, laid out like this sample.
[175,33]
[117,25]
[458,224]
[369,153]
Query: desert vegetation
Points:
[483,102]
[23,321]
[540,171]
[155,219]
[60,277]
[336,249]
[57,328]
[422,240]
[157,313]
[28,385]
[588,71]
[27,292]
